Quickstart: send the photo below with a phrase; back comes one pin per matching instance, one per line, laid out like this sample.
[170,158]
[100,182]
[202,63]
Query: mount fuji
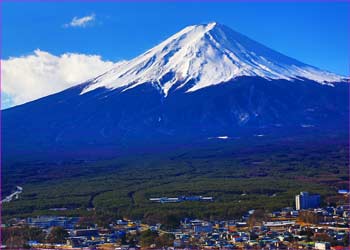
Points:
[206,81]
[208,54]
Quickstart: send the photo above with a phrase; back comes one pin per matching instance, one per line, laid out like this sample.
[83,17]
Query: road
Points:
[10,197]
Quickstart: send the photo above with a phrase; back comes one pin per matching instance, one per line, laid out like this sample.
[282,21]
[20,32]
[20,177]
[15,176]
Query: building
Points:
[304,201]
[181,199]
[322,245]
[76,241]
[203,228]
[343,191]
[46,222]
[278,225]
[87,233]
[166,200]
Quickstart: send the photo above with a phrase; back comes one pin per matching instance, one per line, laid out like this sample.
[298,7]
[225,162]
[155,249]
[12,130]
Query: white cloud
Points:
[39,74]
[81,21]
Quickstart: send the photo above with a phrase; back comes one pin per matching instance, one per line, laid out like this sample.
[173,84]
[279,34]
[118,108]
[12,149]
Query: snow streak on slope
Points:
[207,55]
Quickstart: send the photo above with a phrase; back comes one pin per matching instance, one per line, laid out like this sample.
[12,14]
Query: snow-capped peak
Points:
[206,55]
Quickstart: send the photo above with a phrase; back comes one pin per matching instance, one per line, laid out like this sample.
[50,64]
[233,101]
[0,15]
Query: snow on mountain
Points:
[104,124]
[206,55]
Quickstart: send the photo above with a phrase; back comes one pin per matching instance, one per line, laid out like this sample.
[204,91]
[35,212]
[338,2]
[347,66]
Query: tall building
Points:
[304,201]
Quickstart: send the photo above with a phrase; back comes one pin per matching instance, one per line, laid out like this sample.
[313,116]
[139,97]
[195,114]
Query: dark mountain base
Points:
[104,123]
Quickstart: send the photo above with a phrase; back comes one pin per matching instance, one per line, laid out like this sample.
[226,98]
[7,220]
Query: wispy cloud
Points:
[39,74]
[81,21]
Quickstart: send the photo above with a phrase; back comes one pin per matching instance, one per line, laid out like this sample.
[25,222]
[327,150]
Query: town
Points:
[307,226]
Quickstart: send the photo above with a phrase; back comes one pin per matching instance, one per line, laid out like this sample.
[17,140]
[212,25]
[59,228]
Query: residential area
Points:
[307,226]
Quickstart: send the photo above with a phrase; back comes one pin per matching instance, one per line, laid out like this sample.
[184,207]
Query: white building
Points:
[322,245]
[304,201]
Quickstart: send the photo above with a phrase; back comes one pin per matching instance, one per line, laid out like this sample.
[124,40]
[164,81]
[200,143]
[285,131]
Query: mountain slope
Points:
[204,82]
[208,54]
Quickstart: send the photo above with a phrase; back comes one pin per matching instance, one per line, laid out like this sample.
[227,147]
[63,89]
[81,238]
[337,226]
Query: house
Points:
[76,241]
[278,225]
[343,191]
[88,233]
[322,245]
[203,228]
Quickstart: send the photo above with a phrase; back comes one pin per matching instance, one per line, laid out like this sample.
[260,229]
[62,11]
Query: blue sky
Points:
[314,33]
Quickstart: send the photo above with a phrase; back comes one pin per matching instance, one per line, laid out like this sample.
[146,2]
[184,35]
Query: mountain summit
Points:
[203,55]
[207,81]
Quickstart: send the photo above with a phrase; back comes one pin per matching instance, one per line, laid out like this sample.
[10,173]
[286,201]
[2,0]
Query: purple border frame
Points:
[143,1]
